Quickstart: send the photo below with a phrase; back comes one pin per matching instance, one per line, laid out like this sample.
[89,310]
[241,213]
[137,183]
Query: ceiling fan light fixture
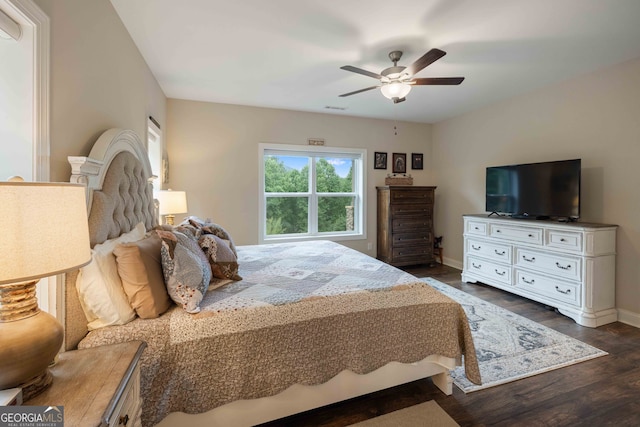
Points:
[395,90]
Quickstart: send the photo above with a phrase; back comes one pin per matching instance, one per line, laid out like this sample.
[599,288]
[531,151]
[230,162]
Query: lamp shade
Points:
[172,202]
[395,90]
[44,230]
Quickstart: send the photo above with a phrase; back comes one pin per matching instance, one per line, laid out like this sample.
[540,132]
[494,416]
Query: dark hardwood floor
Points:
[599,392]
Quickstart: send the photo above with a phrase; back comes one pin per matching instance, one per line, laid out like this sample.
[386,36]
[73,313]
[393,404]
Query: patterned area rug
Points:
[511,347]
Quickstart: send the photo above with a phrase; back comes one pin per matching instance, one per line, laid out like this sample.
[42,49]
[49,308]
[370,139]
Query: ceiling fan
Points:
[396,81]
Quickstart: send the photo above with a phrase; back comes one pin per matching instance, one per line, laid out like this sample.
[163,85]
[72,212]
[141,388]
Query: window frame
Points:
[155,151]
[360,185]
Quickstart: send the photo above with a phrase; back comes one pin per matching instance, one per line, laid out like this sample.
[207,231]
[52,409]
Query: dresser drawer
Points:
[494,251]
[557,265]
[415,238]
[404,224]
[417,210]
[531,235]
[548,287]
[408,254]
[564,240]
[411,196]
[491,270]
[478,228]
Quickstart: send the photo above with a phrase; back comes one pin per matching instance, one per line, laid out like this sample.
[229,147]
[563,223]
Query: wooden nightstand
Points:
[97,386]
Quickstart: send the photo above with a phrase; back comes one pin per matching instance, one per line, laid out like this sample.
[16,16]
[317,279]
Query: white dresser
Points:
[570,266]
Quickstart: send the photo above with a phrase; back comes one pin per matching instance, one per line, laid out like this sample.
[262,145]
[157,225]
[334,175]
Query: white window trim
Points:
[361,184]
[39,21]
[156,132]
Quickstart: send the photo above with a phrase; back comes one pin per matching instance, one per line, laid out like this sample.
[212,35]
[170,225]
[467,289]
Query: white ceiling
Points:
[287,53]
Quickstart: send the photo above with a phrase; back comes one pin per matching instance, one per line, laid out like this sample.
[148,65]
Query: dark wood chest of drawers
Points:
[405,225]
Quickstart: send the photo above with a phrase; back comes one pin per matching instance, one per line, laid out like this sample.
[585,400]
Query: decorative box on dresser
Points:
[98,386]
[569,266]
[405,225]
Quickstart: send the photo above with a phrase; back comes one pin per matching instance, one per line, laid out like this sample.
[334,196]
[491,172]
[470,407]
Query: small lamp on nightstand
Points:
[44,232]
[171,203]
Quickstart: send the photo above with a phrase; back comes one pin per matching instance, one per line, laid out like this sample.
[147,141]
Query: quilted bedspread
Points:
[302,313]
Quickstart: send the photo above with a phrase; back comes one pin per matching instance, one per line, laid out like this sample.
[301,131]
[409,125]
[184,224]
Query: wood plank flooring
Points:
[599,392]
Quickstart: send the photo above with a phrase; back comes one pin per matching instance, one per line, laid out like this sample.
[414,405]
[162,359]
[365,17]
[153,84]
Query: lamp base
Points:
[29,340]
[36,385]
[169,219]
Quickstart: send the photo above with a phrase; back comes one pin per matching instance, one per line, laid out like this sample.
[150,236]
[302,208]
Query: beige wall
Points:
[213,153]
[594,117]
[99,80]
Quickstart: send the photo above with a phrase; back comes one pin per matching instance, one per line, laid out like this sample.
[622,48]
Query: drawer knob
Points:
[124,420]
[568,267]
[499,252]
[528,282]
[562,239]
[476,266]
[567,292]
[532,259]
[499,273]
[498,231]
[530,235]
[476,248]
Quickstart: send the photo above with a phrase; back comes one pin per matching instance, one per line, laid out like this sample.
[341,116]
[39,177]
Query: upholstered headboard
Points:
[118,177]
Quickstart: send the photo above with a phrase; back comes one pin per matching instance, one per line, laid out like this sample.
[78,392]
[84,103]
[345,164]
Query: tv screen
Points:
[548,189]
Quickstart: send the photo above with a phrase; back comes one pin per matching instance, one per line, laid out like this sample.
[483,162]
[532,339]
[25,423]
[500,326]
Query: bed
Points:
[309,324]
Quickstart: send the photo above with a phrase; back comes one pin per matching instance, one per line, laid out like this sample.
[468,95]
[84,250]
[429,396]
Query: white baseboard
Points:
[629,317]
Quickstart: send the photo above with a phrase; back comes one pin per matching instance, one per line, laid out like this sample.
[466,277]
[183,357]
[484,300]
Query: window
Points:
[311,193]
[154,150]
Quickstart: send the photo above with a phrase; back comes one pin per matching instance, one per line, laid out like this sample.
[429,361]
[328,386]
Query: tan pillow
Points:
[140,268]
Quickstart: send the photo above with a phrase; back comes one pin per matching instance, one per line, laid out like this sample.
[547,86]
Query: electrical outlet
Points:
[369,246]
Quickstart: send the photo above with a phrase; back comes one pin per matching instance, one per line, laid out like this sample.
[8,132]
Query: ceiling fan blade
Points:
[428,58]
[437,81]
[361,71]
[358,91]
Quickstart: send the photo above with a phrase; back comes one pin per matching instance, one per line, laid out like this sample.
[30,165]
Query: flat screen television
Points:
[535,190]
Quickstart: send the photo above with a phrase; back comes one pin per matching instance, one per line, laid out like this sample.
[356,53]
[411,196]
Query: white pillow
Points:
[100,288]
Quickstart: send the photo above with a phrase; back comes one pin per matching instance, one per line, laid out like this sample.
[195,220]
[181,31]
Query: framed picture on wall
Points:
[416,161]
[399,163]
[380,160]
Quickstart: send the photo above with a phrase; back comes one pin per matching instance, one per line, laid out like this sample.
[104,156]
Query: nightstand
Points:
[97,386]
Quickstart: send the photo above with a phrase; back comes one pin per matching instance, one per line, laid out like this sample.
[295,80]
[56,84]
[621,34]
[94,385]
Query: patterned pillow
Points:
[208,227]
[223,261]
[186,270]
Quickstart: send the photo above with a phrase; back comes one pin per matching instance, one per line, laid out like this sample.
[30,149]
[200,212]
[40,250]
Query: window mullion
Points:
[313,199]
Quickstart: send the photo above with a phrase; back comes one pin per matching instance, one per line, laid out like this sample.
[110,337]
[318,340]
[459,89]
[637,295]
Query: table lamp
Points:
[171,203]
[44,232]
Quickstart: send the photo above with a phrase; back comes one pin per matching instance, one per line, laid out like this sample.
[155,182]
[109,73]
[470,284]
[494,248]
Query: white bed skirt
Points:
[300,398]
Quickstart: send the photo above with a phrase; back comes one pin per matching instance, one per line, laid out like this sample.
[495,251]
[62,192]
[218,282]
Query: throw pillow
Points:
[99,286]
[208,227]
[223,261]
[186,270]
[140,268]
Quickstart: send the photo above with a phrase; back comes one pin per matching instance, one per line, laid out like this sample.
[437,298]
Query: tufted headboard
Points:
[118,177]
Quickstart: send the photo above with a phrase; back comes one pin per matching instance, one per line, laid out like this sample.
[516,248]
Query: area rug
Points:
[510,347]
[427,414]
